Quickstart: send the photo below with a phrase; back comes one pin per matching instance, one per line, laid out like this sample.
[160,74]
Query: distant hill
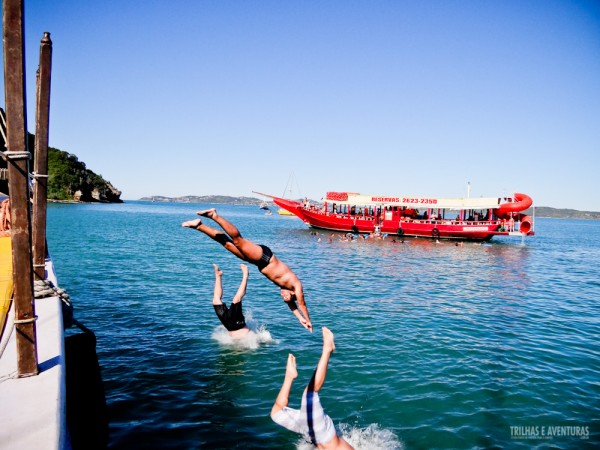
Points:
[540,211]
[555,213]
[217,199]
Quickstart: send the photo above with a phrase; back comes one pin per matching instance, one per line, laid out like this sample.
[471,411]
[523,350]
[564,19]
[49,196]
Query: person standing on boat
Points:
[511,223]
[310,420]
[259,255]
[232,318]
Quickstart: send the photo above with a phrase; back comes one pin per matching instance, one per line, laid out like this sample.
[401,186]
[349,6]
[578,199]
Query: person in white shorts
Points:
[310,420]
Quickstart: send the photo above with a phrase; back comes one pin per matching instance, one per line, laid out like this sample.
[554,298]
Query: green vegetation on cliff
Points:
[69,179]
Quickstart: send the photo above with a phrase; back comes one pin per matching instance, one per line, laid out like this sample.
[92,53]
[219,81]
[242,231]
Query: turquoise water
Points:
[438,345]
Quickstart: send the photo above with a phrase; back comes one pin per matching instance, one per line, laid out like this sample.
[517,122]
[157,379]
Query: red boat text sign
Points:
[337,196]
[411,200]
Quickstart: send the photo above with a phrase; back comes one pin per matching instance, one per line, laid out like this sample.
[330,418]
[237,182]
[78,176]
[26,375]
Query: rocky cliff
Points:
[70,179]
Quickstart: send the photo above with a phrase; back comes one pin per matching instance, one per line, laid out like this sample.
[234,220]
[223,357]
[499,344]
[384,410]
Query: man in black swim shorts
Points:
[265,259]
[232,318]
[261,256]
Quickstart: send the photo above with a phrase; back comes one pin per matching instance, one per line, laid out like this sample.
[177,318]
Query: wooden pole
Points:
[40,189]
[18,181]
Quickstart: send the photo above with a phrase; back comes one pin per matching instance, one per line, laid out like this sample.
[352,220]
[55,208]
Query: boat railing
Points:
[338,215]
[451,222]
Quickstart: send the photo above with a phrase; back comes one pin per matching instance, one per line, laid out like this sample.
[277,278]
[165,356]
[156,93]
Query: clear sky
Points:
[195,97]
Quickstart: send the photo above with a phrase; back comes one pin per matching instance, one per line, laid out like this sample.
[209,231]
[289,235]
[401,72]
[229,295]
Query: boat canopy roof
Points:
[351,198]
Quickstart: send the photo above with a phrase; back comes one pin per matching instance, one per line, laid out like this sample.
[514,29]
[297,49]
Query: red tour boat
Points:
[475,219]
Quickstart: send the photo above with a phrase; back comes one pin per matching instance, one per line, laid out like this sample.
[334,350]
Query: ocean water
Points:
[438,346]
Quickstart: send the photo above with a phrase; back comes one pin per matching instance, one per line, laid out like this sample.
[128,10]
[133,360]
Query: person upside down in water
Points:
[232,318]
[261,256]
[310,420]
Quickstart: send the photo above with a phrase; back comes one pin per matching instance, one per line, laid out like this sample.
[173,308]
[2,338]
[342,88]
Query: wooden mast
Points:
[40,189]
[18,156]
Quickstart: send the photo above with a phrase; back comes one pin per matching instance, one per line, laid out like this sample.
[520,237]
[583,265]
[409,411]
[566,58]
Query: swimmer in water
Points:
[310,420]
[232,318]
[259,255]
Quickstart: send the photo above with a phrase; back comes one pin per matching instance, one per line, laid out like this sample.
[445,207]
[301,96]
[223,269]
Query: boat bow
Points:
[293,206]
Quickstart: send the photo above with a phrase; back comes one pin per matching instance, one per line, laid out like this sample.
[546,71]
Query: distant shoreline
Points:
[540,211]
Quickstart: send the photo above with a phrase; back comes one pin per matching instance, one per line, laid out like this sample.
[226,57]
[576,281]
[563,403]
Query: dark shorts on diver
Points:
[232,318]
[265,259]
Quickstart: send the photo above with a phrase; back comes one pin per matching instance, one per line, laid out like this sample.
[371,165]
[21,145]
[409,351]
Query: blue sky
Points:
[379,97]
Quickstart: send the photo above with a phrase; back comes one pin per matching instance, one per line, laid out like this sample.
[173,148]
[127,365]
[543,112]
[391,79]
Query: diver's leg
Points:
[216,235]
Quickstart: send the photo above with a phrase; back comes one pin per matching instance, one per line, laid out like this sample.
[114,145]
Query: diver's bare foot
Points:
[290,369]
[244,268]
[192,223]
[328,343]
[218,272]
[210,213]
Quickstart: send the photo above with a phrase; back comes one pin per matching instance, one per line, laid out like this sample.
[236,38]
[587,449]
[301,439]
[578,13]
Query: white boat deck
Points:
[33,409]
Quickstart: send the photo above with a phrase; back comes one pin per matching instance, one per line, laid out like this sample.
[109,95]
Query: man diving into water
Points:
[310,420]
[259,255]
[232,318]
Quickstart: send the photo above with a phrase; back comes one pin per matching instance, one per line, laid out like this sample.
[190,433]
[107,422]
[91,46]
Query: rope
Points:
[5,215]
[5,343]
[9,155]
[30,320]
[41,289]
[45,288]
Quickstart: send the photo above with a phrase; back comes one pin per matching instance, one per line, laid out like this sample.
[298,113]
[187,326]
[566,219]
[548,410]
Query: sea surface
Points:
[438,346]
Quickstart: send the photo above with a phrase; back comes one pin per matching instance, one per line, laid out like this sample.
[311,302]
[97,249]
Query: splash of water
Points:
[372,437]
[257,336]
